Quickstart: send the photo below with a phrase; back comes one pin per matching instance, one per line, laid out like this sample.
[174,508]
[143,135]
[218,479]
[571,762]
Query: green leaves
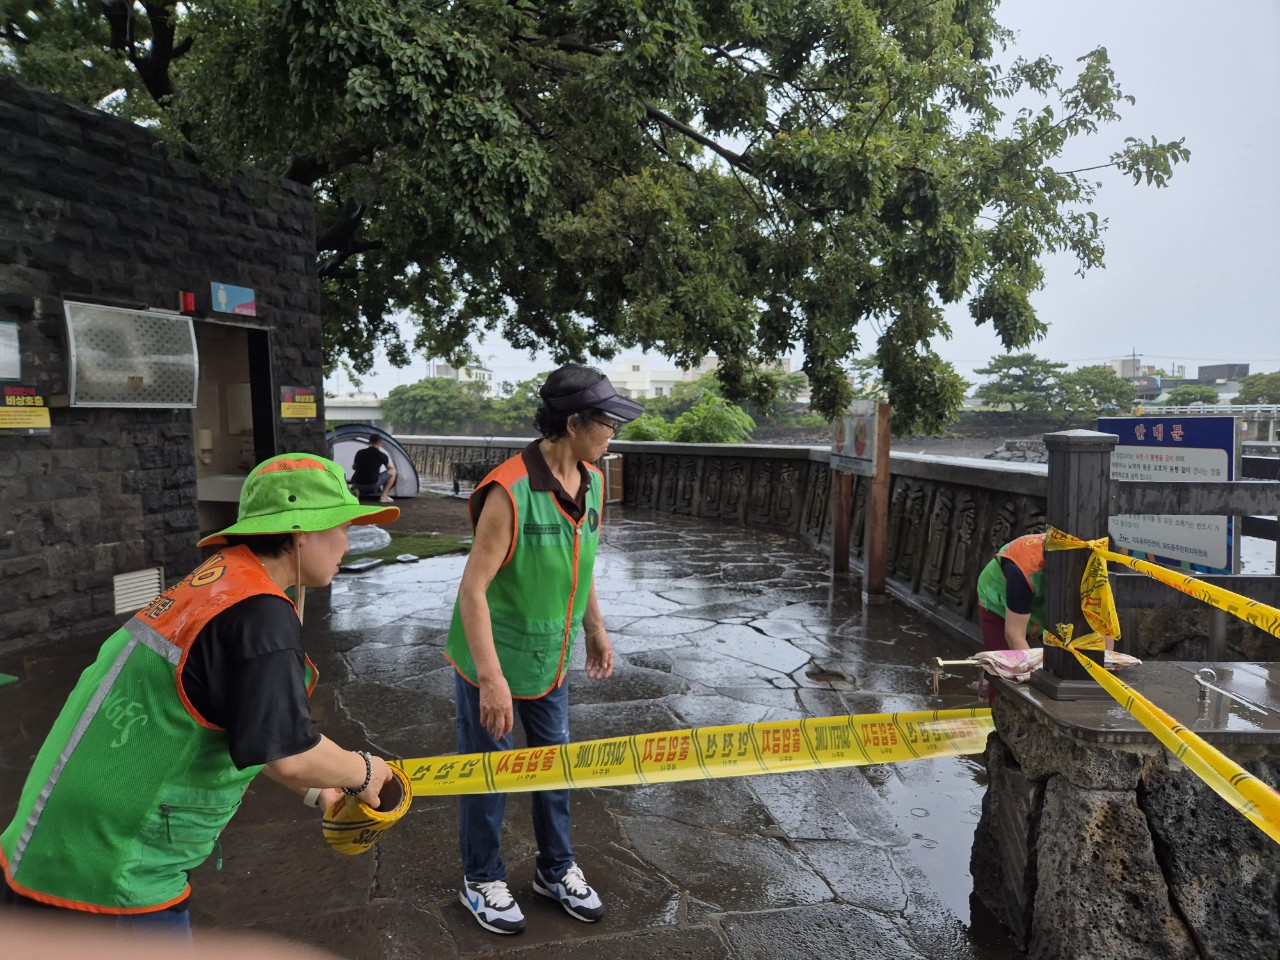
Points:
[1259,388]
[740,177]
[712,419]
[1152,162]
[436,405]
[1041,389]
[1189,393]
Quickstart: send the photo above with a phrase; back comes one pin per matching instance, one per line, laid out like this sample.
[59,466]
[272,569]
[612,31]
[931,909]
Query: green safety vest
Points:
[1028,554]
[132,787]
[538,597]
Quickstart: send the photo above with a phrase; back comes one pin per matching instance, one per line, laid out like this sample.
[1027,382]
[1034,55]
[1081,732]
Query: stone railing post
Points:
[1079,478]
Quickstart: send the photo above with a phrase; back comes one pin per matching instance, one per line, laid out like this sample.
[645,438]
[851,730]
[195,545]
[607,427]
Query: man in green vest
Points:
[185,704]
[526,592]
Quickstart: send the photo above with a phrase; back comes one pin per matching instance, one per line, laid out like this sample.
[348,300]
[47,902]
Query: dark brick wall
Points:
[94,208]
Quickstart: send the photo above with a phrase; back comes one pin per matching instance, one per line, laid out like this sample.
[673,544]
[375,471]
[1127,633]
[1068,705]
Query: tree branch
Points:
[330,267]
[152,64]
[306,167]
[12,35]
[571,44]
[1100,166]
[340,234]
[739,160]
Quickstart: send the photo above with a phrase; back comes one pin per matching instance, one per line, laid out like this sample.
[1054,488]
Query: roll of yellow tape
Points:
[352,827]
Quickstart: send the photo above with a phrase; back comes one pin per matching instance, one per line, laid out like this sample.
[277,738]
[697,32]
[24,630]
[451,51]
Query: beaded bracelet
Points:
[368,775]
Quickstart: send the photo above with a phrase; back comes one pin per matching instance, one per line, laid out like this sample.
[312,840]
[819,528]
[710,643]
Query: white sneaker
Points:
[573,893]
[492,905]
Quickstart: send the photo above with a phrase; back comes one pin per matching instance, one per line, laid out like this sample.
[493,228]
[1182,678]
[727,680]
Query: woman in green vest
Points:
[525,594]
[1011,594]
[186,703]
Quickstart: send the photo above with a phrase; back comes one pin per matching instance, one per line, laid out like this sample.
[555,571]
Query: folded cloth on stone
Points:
[1017,665]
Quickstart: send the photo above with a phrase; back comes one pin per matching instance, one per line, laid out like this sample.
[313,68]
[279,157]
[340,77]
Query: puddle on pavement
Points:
[937,804]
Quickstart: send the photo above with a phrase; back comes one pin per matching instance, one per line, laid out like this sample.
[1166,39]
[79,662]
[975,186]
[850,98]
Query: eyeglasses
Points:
[610,425]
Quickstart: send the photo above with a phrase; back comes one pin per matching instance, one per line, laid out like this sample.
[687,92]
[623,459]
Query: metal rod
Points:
[1257,708]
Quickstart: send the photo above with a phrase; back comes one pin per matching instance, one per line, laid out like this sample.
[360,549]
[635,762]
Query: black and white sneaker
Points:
[573,893]
[492,905]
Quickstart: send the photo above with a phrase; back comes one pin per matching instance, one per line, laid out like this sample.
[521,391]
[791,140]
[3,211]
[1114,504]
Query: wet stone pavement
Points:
[710,625]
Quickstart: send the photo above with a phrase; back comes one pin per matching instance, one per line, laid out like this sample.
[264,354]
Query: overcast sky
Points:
[1192,269]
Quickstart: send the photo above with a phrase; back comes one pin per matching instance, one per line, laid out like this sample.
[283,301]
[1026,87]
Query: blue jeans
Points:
[176,923]
[373,489]
[546,722]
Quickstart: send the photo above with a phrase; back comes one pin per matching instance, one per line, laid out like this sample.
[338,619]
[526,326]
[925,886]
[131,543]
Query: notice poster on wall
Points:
[298,403]
[10,357]
[23,411]
[853,449]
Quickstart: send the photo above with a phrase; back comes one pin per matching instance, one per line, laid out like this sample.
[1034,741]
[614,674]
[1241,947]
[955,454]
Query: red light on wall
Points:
[188,300]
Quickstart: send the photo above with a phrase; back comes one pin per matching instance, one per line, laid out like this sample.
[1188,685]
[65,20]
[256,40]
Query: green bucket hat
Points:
[298,493]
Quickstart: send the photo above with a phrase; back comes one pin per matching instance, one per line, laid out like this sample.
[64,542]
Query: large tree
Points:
[743,177]
[1259,388]
[436,405]
[1088,390]
[1028,385]
[1189,393]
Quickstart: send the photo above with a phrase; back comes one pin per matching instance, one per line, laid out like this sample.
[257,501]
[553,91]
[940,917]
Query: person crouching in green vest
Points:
[184,705]
[526,592]
[1011,594]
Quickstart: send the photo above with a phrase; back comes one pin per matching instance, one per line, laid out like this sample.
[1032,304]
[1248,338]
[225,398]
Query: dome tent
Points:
[347,439]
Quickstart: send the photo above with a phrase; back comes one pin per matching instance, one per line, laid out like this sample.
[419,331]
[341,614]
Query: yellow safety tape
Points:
[1245,792]
[736,750]
[1098,604]
[352,827]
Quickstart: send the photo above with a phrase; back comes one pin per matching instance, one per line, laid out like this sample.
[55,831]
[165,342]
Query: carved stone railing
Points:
[947,515]
[436,458]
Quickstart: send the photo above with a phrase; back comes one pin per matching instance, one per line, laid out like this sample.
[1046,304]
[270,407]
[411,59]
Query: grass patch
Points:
[419,544]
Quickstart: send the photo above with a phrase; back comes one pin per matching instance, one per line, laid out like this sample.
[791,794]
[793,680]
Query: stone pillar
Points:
[1096,844]
[1078,504]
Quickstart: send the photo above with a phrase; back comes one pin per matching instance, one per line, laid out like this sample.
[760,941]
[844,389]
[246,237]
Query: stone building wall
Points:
[99,210]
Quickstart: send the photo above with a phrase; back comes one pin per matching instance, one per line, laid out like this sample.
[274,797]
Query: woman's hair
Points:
[570,379]
[262,544]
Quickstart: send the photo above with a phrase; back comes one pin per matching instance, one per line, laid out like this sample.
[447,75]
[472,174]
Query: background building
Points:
[634,378]
[480,375]
[169,326]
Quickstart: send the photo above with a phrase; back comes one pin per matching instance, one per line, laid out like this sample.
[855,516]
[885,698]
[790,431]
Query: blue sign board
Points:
[229,299]
[1175,449]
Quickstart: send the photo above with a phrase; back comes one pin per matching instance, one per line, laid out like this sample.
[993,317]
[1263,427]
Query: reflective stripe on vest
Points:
[131,788]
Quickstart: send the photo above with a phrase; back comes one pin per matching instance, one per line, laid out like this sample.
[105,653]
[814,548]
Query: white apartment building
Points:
[481,375]
[633,378]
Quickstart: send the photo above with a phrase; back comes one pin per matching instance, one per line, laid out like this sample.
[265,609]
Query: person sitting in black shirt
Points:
[372,474]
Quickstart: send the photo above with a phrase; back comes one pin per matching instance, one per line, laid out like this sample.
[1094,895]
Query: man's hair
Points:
[375,441]
[262,544]
[570,379]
